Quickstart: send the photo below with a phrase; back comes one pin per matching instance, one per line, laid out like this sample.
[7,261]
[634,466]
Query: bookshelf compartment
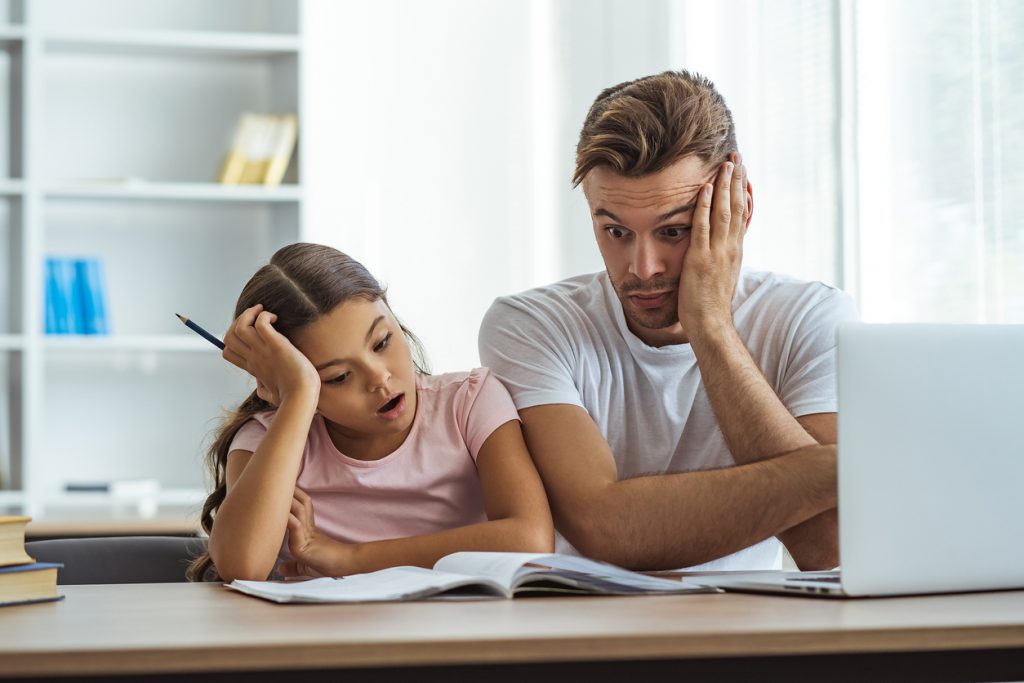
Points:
[153,118]
[248,16]
[115,118]
[11,249]
[11,442]
[11,111]
[163,258]
[133,415]
[12,12]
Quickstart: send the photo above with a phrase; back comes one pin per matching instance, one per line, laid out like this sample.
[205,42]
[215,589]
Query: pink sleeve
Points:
[249,436]
[484,405]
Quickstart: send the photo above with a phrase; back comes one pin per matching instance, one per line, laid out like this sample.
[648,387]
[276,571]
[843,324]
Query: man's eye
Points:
[383,343]
[615,233]
[337,380]
[676,233]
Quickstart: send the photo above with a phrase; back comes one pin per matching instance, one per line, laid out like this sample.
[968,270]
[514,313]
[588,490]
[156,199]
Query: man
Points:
[679,410]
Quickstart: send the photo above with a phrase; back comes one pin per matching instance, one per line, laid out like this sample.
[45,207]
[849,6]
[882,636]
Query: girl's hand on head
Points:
[315,554]
[280,369]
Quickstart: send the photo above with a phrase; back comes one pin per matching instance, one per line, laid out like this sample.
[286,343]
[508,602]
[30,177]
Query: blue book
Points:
[91,297]
[24,583]
[61,310]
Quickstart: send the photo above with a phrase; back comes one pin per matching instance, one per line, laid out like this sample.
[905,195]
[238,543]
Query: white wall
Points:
[421,162]
[443,144]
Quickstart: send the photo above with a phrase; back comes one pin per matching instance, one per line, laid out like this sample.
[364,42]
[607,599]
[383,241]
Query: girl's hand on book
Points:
[280,369]
[315,553]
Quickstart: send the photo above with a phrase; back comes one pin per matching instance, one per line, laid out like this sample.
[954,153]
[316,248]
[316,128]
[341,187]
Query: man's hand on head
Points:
[711,266]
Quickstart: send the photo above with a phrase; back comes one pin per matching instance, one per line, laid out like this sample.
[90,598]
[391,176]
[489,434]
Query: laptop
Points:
[931,465]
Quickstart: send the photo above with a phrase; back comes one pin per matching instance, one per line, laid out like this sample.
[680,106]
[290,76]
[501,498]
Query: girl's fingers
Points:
[263,322]
[233,357]
[298,510]
[302,495]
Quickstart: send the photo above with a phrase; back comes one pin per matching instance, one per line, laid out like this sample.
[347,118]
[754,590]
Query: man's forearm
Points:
[755,423]
[678,520]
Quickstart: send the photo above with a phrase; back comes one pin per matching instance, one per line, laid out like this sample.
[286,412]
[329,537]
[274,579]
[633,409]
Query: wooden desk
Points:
[207,630]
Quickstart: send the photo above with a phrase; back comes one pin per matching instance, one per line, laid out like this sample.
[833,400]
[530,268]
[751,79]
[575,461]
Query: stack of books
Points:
[76,296]
[261,150]
[22,579]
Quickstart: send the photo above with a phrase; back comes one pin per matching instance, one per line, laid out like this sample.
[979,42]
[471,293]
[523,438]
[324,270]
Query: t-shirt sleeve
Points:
[249,436]
[483,405]
[531,356]
[810,383]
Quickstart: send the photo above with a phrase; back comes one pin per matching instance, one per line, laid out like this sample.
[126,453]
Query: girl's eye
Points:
[383,343]
[337,380]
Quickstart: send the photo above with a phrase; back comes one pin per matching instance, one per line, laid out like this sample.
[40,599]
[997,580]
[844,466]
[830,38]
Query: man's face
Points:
[642,227]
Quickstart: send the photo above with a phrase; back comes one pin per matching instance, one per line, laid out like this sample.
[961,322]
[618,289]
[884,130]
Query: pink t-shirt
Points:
[428,484]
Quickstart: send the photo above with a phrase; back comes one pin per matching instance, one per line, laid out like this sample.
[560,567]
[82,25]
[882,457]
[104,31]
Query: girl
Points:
[349,446]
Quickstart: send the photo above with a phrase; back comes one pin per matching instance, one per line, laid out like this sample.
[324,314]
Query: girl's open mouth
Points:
[394,407]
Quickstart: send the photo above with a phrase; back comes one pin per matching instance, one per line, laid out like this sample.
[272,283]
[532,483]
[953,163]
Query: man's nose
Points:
[647,261]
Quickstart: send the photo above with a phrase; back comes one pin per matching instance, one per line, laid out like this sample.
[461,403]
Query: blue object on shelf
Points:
[61,309]
[91,296]
[76,296]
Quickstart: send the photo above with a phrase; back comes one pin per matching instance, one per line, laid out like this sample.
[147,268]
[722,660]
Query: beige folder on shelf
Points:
[261,150]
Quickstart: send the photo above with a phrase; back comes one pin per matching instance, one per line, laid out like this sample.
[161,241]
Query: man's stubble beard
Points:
[648,319]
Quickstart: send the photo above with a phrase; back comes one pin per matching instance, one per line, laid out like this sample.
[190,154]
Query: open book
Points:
[473,574]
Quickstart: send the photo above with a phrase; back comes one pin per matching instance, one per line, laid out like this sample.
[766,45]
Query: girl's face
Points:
[367,378]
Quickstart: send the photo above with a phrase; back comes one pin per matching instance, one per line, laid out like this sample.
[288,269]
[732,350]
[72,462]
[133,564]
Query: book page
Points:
[603,576]
[498,567]
[396,583]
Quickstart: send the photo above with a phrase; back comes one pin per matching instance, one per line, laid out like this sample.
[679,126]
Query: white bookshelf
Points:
[199,192]
[115,117]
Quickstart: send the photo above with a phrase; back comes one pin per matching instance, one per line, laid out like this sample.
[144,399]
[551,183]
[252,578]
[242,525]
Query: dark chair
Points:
[119,559]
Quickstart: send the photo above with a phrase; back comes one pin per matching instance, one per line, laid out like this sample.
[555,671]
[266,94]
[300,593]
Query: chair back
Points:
[119,559]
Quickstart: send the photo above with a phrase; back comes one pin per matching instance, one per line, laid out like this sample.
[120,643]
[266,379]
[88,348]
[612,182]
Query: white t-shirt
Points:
[569,343]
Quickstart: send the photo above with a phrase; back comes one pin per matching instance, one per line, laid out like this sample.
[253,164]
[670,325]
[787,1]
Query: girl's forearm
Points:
[509,535]
[250,524]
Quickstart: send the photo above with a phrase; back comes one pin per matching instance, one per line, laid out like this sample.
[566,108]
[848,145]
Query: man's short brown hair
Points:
[642,126]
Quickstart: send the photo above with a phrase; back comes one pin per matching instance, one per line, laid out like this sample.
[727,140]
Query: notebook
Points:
[931,465]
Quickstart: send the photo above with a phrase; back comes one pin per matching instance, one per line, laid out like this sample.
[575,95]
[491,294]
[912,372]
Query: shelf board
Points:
[11,32]
[12,342]
[189,192]
[166,342]
[11,187]
[174,43]
[10,497]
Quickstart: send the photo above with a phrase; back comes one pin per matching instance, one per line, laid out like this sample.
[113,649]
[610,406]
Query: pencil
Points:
[201,332]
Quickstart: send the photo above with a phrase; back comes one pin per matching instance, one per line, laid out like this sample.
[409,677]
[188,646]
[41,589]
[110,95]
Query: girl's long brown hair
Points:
[301,283]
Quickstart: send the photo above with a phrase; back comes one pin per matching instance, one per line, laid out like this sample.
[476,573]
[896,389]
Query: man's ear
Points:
[750,203]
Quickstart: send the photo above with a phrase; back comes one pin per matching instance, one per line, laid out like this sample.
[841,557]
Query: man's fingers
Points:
[302,495]
[700,234]
[739,198]
[721,211]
